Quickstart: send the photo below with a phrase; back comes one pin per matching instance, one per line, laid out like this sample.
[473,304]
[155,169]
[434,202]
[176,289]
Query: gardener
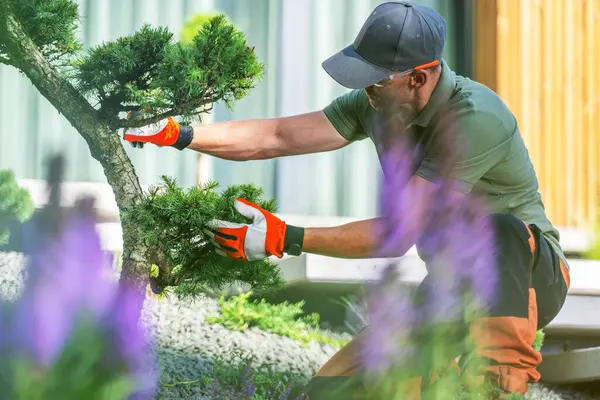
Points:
[396,67]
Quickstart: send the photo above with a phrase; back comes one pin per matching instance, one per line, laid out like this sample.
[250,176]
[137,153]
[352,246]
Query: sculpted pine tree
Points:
[153,73]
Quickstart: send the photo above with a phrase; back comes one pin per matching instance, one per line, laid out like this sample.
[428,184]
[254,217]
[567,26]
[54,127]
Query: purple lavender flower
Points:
[465,247]
[456,243]
[391,316]
[42,326]
[286,394]
[69,291]
[66,274]
[443,299]
[397,199]
[248,382]
[88,263]
[131,342]
[484,268]
[69,276]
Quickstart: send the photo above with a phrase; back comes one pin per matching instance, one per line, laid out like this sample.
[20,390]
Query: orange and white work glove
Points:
[266,236]
[166,132]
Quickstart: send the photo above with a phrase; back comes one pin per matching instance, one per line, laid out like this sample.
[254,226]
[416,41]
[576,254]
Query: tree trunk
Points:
[104,144]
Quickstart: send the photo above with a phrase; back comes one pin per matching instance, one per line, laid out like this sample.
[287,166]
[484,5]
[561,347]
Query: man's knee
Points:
[514,242]
[346,361]
[507,227]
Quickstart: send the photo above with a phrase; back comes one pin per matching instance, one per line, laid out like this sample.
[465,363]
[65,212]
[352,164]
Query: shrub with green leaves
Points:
[172,222]
[15,203]
[285,319]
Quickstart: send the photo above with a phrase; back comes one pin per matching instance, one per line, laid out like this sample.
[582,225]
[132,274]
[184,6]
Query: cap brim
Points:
[351,70]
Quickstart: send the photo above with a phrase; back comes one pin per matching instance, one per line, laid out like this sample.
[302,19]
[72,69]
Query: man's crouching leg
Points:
[340,376]
[531,290]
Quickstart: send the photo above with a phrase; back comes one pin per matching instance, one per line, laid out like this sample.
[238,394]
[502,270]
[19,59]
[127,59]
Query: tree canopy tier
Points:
[151,72]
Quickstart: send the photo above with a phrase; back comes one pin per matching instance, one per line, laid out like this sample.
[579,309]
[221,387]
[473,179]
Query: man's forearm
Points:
[353,240]
[237,140]
[261,139]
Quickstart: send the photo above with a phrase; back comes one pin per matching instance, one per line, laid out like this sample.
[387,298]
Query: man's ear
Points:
[418,79]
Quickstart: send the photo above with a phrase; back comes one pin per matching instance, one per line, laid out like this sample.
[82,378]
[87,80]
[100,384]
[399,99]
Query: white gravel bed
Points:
[186,344]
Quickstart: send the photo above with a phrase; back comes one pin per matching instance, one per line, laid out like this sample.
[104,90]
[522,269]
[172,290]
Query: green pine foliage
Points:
[172,223]
[192,25]
[51,25]
[116,72]
[150,71]
[15,203]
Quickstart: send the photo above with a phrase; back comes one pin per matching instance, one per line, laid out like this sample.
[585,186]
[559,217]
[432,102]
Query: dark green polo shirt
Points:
[494,160]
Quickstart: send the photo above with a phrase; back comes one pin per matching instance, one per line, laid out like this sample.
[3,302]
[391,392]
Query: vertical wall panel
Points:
[258,20]
[547,71]
[590,64]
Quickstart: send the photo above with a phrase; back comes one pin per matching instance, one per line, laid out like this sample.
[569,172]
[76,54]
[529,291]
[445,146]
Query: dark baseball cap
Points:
[398,36]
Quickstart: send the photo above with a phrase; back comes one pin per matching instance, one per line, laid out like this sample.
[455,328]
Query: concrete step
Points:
[570,367]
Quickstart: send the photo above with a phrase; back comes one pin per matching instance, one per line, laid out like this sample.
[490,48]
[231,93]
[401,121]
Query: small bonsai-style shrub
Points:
[172,221]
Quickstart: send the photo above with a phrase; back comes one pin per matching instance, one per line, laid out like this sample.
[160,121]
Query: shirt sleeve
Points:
[347,113]
[484,142]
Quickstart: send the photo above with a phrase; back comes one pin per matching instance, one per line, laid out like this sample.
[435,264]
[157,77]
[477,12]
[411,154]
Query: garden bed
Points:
[189,348]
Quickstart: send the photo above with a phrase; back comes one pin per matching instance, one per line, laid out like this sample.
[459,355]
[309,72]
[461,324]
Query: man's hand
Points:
[166,132]
[264,237]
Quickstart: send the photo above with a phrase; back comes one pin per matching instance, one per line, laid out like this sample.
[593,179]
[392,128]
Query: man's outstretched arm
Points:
[269,236]
[252,139]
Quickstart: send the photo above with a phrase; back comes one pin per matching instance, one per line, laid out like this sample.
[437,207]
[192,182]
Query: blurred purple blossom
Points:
[392,317]
[65,274]
[459,248]
[288,390]
[396,199]
[130,340]
[248,382]
[456,244]
[68,275]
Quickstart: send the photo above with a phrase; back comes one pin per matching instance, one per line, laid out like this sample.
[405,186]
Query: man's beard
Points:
[401,113]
